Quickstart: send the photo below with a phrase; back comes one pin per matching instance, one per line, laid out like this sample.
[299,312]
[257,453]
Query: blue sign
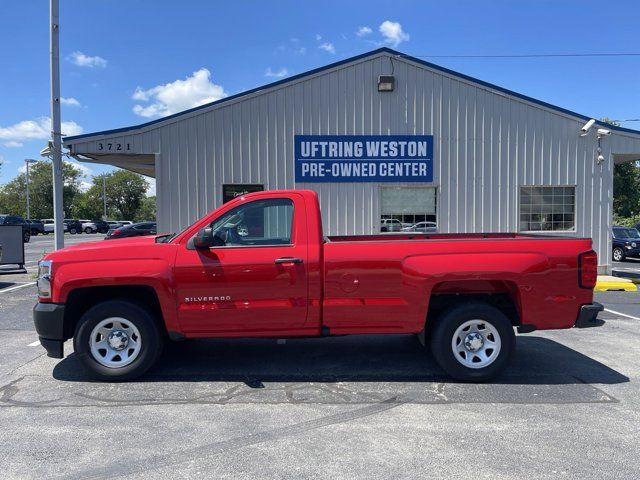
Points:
[364,158]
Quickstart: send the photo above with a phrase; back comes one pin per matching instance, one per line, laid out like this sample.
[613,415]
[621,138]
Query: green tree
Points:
[13,195]
[147,210]
[125,196]
[626,186]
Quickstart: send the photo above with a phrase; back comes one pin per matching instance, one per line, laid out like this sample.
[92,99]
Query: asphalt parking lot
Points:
[357,407]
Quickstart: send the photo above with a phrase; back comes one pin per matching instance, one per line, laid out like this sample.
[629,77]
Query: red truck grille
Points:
[587,269]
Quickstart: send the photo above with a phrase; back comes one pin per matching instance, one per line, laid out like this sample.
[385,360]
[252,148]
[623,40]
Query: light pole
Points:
[56,134]
[104,197]
[27,161]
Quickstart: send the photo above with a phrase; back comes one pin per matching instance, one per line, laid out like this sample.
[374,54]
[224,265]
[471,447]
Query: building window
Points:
[410,209]
[229,192]
[547,209]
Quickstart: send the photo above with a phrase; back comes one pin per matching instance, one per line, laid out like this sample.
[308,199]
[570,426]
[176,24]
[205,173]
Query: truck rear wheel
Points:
[117,340]
[472,342]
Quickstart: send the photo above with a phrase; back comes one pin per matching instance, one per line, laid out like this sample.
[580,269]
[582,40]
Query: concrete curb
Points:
[607,283]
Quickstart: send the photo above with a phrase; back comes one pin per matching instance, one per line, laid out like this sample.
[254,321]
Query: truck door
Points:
[255,281]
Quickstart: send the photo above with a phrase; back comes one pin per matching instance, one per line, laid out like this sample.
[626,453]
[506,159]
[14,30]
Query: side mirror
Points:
[203,239]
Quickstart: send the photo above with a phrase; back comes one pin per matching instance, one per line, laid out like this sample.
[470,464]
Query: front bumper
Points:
[587,317]
[49,321]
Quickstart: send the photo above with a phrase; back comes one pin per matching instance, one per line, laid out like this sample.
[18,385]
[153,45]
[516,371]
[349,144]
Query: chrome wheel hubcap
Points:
[115,342]
[476,344]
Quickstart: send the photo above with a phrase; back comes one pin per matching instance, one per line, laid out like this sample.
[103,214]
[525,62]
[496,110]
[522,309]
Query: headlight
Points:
[44,279]
[633,244]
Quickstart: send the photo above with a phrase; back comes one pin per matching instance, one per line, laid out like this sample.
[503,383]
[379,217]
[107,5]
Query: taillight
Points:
[588,269]
[116,232]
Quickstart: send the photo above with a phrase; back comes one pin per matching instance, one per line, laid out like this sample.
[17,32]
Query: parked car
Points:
[283,278]
[625,243]
[390,225]
[113,224]
[36,226]
[73,226]
[422,227]
[16,220]
[49,225]
[88,226]
[101,226]
[133,230]
[125,222]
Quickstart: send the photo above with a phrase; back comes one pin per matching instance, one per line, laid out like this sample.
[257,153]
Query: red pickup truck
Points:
[259,266]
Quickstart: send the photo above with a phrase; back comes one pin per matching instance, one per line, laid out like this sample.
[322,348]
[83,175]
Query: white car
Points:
[390,225]
[88,226]
[125,222]
[49,225]
[422,227]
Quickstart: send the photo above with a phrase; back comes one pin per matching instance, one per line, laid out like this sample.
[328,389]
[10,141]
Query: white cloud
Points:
[283,72]
[318,37]
[362,31]
[151,189]
[177,96]
[38,129]
[84,185]
[393,33]
[327,47]
[82,60]
[70,101]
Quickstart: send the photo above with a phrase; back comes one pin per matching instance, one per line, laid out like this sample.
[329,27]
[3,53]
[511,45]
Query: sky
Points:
[125,62]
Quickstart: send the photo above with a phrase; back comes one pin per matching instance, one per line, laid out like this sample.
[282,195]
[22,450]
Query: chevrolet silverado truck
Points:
[259,266]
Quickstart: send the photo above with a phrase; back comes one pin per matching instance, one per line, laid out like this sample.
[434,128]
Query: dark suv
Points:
[625,243]
[73,226]
[16,220]
[101,226]
[37,227]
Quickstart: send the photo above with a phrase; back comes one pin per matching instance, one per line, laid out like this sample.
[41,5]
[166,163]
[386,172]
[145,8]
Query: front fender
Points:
[153,273]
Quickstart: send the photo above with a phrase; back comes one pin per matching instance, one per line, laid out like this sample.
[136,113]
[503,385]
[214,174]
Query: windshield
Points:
[626,233]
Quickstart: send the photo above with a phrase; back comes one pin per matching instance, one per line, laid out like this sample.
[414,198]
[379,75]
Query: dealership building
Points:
[384,138]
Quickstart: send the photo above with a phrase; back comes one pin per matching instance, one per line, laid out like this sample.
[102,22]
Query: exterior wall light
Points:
[386,83]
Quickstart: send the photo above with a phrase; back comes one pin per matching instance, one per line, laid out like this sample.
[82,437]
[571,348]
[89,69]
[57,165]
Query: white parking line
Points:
[620,313]
[16,287]
[34,344]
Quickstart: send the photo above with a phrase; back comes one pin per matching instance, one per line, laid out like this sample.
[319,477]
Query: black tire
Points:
[26,236]
[45,233]
[442,334]
[619,253]
[151,340]
[88,230]
[73,231]
[383,229]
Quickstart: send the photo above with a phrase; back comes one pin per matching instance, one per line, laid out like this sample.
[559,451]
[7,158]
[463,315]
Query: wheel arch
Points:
[80,300]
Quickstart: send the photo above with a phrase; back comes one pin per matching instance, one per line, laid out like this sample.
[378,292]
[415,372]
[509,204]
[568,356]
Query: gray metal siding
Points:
[486,145]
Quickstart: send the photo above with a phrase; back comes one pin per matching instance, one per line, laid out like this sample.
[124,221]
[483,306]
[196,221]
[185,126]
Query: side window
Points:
[263,222]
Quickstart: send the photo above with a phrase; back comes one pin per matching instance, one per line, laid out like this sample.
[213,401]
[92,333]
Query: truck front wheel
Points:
[117,340]
[472,342]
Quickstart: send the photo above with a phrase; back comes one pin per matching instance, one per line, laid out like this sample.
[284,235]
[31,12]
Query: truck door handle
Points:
[288,260]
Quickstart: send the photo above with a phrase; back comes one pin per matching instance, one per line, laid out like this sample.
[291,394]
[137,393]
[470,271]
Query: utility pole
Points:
[27,161]
[104,197]
[56,134]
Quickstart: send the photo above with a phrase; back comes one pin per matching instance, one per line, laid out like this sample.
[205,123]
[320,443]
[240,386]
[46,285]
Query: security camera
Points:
[600,160]
[587,127]
[604,131]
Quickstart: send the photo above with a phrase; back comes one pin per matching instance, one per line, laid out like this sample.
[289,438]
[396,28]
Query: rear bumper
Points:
[49,322]
[587,317]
